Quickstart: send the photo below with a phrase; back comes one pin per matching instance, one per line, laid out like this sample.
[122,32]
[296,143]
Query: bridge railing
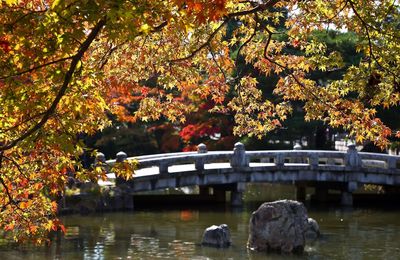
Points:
[372,160]
[198,159]
[239,158]
[308,157]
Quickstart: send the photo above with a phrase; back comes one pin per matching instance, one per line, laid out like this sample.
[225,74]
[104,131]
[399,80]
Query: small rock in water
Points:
[217,236]
[312,232]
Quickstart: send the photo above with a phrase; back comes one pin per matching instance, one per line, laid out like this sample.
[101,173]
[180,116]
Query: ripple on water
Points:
[357,234]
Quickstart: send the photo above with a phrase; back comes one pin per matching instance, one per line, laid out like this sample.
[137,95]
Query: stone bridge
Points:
[216,172]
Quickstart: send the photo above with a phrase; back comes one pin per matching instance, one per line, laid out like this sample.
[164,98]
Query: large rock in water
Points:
[281,226]
[217,236]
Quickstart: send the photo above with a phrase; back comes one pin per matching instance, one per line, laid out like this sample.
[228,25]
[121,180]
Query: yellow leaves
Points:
[182,120]
[55,3]
[360,139]
[12,2]
[50,226]
[169,97]
[125,169]
[145,28]
[248,81]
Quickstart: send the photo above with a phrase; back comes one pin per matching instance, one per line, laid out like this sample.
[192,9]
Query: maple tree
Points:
[212,129]
[64,63]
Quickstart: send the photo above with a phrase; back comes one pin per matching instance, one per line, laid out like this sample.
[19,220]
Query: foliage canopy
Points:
[64,64]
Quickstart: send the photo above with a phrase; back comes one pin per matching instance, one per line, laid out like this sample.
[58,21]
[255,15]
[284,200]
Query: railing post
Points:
[297,147]
[392,163]
[163,167]
[120,157]
[126,197]
[280,160]
[353,159]
[100,161]
[239,158]
[314,160]
[199,163]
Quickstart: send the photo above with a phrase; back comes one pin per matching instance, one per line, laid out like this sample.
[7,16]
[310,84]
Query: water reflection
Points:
[176,234]
[357,234]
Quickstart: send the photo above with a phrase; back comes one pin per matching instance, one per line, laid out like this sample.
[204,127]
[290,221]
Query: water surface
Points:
[359,233]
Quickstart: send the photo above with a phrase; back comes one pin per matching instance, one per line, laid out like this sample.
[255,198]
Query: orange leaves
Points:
[31,180]
[33,229]
[54,206]
[204,10]
[9,227]
[54,225]
[25,204]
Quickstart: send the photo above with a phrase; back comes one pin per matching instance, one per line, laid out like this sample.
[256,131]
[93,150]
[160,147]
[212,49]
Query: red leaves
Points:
[5,45]
[197,131]
[63,229]
[56,225]
[189,148]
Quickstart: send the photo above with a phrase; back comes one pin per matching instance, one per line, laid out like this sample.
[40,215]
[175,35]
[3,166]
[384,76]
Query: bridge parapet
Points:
[232,169]
[279,159]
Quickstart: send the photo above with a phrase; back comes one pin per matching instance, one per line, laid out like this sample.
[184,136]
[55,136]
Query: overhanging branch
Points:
[61,92]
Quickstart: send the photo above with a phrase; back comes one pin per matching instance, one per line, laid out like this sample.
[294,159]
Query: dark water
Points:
[360,233]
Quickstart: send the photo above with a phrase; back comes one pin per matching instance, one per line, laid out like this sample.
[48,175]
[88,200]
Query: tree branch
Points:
[228,17]
[202,46]
[36,68]
[370,45]
[67,79]
[216,62]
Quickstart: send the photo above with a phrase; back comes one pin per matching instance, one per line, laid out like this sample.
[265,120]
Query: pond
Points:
[175,233]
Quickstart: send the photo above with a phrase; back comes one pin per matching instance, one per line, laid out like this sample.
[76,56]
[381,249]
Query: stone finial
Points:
[121,156]
[351,146]
[202,148]
[239,158]
[199,163]
[238,147]
[297,146]
[100,158]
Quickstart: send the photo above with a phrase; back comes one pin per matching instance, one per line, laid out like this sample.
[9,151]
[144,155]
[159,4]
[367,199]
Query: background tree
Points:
[64,63]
